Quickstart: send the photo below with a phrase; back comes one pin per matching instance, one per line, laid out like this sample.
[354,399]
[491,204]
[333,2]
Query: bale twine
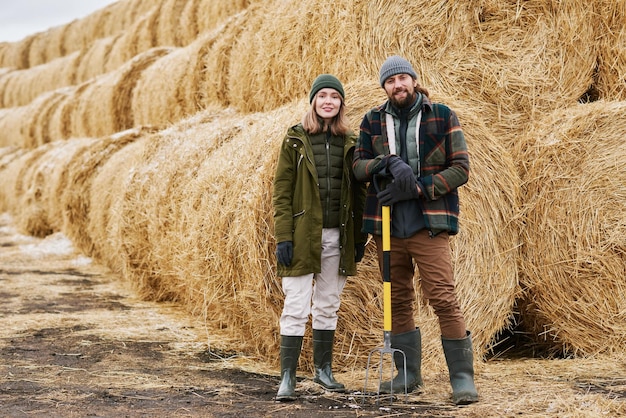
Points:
[573,259]
[105,106]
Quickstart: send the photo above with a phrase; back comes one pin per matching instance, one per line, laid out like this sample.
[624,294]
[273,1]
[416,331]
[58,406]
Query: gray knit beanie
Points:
[395,65]
[323,81]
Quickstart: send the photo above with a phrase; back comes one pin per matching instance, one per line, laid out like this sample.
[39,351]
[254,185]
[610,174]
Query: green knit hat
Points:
[323,81]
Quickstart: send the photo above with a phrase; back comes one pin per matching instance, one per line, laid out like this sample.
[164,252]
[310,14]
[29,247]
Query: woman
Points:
[318,209]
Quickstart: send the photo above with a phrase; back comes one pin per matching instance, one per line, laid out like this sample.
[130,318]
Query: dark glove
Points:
[402,173]
[393,194]
[284,253]
[359,252]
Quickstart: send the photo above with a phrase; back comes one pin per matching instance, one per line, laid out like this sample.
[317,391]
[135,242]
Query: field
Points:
[138,149]
[75,341]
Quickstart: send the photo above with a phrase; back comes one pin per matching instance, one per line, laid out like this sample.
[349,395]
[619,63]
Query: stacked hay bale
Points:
[74,36]
[573,263]
[185,214]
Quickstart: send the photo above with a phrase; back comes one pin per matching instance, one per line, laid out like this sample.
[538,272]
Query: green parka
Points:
[298,210]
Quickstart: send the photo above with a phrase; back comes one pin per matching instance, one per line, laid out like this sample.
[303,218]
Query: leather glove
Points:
[393,194]
[402,173]
[359,251]
[284,252]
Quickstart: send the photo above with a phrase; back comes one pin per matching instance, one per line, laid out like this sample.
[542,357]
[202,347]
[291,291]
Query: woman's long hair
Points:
[313,124]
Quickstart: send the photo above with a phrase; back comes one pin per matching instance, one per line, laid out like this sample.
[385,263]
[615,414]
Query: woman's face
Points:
[327,103]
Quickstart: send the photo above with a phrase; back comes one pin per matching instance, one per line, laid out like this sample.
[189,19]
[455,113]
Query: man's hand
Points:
[393,194]
[402,173]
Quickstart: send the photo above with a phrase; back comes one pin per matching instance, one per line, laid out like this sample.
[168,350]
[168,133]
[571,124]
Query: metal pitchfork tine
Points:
[386,349]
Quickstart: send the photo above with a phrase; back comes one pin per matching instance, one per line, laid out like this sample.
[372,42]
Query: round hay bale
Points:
[133,41]
[60,123]
[214,85]
[573,262]
[285,46]
[16,182]
[74,186]
[7,155]
[42,214]
[159,100]
[94,61]
[610,83]
[43,109]
[168,22]
[106,199]
[105,106]
[14,129]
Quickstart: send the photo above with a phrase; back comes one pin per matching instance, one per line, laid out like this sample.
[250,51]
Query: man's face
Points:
[400,89]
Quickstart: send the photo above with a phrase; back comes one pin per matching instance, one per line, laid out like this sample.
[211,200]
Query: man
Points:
[414,155]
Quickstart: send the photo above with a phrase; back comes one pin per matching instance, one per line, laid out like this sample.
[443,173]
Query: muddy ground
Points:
[75,341]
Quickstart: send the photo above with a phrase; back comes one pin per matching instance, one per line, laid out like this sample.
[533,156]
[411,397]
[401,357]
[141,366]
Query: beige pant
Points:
[434,263]
[314,294]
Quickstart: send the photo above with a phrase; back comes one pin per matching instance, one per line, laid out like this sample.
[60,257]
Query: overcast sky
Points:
[20,18]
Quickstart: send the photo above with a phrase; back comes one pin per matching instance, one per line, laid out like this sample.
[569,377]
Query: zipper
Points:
[328,170]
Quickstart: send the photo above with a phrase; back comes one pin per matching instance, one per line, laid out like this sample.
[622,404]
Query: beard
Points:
[403,103]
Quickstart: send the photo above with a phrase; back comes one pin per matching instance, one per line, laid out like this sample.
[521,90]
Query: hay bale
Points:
[74,194]
[13,126]
[159,100]
[39,212]
[105,106]
[107,194]
[15,184]
[94,60]
[285,46]
[7,155]
[573,258]
[133,41]
[610,78]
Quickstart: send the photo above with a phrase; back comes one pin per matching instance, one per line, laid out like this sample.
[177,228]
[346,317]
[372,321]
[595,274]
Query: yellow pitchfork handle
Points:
[387,268]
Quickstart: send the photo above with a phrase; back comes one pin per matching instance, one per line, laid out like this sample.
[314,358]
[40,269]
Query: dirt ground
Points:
[76,342]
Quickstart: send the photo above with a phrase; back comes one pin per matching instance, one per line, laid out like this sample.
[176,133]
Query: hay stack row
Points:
[168,23]
[512,64]
[184,213]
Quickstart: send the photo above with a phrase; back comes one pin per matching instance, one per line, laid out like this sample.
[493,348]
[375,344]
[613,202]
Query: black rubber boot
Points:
[323,359]
[411,344]
[290,347]
[460,359]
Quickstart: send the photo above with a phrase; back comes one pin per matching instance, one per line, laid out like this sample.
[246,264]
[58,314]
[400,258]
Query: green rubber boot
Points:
[323,358]
[290,347]
[460,359]
[411,344]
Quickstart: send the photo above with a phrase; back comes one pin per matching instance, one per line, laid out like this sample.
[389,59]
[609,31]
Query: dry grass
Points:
[574,257]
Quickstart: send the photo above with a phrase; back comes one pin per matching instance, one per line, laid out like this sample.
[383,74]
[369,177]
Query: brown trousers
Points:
[434,263]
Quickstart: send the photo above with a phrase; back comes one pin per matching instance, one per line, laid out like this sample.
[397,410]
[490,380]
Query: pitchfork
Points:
[386,349]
